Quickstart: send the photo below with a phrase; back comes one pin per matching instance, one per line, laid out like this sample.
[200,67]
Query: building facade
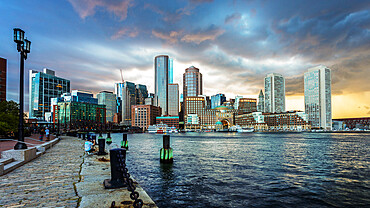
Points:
[287,121]
[161,82]
[247,105]
[192,82]
[144,115]
[173,99]
[317,97]
[110,101]
[261,102]
[274,93]
[42,87]
[2,79]
[170,71]
[171,121]
[141,94]
[217,100]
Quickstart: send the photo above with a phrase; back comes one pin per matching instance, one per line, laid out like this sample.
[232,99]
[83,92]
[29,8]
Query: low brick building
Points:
[144,115]
[171,121]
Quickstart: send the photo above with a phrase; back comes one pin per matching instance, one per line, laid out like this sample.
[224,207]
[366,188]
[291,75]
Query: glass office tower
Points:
[317,97]
[217,100]
[161,82]
[42,87]
[274,93]
[109,100]
[170,71]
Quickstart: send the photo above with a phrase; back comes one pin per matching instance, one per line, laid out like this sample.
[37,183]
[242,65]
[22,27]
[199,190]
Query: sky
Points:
[233,43]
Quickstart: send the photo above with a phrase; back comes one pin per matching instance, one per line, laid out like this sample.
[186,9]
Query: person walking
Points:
[42,132]
[47,134]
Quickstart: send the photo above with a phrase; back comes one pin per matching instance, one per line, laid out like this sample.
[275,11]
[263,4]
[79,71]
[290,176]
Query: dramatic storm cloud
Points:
[233,43]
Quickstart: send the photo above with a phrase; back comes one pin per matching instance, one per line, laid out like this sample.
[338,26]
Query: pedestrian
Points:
[42,132]
[47,134]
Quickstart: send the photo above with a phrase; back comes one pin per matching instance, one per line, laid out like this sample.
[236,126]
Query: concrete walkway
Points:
[47,181]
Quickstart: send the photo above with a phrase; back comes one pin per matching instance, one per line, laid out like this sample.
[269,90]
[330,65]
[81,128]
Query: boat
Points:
[172,130]
[244,129]
[158,128]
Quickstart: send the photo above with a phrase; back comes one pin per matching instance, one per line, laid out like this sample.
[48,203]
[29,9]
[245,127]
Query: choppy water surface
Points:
[254,169]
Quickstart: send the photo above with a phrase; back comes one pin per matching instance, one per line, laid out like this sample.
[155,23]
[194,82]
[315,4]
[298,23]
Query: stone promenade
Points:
[47,181]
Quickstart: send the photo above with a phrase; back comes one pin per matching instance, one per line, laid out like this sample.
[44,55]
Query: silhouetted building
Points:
[42,87]
[317,97]
[274,93]
[141,94]
[2,79]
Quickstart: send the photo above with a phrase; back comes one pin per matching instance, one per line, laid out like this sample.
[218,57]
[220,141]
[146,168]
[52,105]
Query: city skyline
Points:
[234,48]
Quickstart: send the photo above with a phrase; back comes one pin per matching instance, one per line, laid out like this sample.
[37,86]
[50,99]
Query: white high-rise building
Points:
[274,93]
[109,100]
[317,97]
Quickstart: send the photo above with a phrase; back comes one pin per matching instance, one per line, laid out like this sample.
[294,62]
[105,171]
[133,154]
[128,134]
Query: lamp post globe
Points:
[26,46]
[18,35]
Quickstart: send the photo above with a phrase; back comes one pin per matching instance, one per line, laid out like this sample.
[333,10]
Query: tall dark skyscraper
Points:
[2,79]
[161,82]
[193,83]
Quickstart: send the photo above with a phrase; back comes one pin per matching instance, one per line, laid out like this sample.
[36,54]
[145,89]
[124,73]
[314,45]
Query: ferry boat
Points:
[158,128]
[244,129]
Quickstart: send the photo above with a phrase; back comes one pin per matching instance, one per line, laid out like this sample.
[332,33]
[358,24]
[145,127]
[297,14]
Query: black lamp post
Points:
[23,47]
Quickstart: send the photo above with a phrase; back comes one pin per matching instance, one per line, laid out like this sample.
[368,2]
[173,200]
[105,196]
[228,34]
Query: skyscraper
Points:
[317,97]
[141,94]
[109,100]
[261,102]
[2,79]
[42,87]
[129,99]
[161,82]
[217,100]
[170,71]
[173,99]
[274,93]
[193,84]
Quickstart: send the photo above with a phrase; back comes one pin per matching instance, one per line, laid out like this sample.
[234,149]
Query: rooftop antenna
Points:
[121,76]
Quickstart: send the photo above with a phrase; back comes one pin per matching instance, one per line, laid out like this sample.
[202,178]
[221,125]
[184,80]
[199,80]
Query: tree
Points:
[9,118]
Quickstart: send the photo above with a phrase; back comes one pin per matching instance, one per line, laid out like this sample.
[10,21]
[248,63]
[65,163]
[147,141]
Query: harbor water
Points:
[253,169]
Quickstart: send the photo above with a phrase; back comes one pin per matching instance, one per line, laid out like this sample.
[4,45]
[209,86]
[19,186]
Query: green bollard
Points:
[166,153]
[109,139]
[124,142]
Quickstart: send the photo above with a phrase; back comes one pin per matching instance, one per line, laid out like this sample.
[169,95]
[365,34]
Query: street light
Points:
[23,47]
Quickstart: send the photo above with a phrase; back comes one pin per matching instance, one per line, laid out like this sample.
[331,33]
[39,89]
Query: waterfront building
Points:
[287,121]
[110,101]
[2,79]
[217,100]
[171,121]
[353,123]
[42,87]
[236,103]
[71,112]
[173,99]
[161,82]
[274,93]
[247,105]
[79,96]
[194,107]
[144,115]
[261,102]
[317,97]
[192,82]
[170,71]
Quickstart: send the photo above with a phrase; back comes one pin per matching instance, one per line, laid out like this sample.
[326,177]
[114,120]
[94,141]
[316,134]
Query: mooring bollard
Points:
[109,139]
[101,147]
[117,164]
[79,135]
[84,136]
[124,142]
[94,138]
[166,153]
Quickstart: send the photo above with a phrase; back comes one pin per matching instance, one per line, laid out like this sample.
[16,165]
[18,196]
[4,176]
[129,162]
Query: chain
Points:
[138,203]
